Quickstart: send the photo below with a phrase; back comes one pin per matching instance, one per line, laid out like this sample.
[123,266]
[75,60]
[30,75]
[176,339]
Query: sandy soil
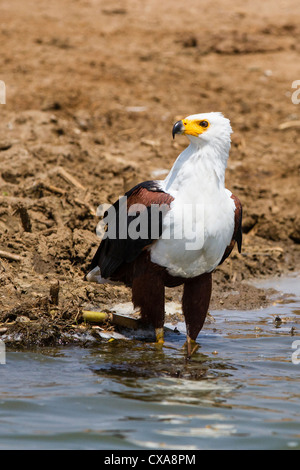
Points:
[93,89]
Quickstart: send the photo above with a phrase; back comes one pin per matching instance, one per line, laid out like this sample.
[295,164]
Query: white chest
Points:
[200,223]
[195,236]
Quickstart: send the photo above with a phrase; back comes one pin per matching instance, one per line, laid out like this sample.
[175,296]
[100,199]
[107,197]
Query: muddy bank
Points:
[39,322]
[95,117]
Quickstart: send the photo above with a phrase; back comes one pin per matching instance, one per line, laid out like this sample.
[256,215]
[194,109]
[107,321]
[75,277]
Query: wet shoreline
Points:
[42,324]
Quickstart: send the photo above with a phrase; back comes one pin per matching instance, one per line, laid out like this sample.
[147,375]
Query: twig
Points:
[10,256]
[85,204]
[54,189]
[289,125]
[69,178]
[49,187]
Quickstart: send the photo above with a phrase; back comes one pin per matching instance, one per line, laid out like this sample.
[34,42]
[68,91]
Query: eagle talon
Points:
[191,346]
[159,333]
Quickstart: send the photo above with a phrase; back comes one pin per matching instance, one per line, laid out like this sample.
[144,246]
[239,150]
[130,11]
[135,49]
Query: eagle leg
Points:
[195,303]
[148,294]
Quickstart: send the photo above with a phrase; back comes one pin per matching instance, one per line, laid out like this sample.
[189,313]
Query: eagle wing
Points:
[118,246]
[237,231]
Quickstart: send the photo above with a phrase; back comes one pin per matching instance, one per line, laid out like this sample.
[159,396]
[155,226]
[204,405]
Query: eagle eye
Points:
[203,123]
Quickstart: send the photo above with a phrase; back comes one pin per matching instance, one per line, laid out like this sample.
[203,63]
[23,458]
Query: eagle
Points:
[176,231]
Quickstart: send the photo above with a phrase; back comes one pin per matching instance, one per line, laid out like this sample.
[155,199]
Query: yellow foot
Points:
[191,346]
[159,333]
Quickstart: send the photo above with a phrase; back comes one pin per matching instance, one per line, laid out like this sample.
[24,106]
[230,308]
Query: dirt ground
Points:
[92,91]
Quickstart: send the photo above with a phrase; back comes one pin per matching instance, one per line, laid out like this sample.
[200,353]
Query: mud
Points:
[92,92]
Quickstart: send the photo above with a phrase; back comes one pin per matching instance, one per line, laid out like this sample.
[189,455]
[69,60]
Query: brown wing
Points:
[237,232]
[133,228]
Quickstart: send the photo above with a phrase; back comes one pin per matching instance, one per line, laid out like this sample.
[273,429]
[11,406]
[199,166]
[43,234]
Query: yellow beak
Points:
[187,128]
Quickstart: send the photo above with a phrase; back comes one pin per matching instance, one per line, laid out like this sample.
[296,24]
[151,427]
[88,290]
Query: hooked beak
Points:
[178,128]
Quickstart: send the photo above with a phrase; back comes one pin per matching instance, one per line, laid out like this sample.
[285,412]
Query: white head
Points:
[207,128]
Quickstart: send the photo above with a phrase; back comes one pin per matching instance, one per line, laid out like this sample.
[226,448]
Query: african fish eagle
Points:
[169,258]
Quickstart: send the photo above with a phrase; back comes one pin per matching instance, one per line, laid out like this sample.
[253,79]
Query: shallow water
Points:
[240,390]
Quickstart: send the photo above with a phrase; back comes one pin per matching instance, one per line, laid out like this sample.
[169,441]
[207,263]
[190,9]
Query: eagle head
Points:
[204,128]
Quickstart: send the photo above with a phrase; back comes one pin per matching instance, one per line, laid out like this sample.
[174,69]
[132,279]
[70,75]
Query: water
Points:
[240,391]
